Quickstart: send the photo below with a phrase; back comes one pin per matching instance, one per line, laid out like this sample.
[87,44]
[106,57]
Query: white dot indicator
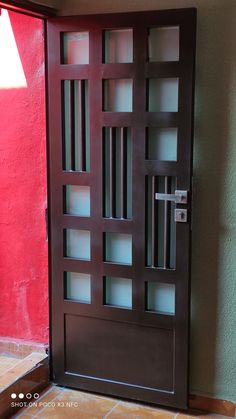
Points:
[13,395]
[21,396]
[28,395]
[36,395]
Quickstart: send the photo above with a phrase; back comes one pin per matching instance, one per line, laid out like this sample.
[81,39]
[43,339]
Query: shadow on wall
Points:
[212,359]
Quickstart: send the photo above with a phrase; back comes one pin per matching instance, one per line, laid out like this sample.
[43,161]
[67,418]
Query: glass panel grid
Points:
[118,292]
[118,46]
[162,144]
[75,48]
[160,298]
[118,248]
[77,244]
[163,44]
[163,94]
[78,287]
[118,95]
[77,200]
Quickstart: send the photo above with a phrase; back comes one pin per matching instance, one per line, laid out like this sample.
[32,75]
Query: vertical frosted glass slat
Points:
[129,174]
[78,244]
[161,297]
[117,174]
[78,200]
[164,44]
[160,224]
[106,172]
[163,95]
[75,121]
[173,228]
[160,213]
[162,144]
[118,248]
[87,126]
[78,287]
[119,46]
[118,292]
[76,48]
[118,95]
[67,124]
[149,226]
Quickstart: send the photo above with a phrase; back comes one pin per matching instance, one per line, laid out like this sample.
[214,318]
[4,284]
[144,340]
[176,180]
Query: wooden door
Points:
[120,110]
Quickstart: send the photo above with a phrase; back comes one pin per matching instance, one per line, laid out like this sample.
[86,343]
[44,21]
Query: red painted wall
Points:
[23,245]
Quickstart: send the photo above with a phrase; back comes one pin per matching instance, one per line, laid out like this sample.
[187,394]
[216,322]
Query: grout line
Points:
[110,411]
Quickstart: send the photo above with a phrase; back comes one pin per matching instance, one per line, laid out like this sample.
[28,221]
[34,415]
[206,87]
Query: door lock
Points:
[181,215]
[179,197]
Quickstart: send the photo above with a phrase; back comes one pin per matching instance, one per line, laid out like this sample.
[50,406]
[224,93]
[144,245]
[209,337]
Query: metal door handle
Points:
[179,197]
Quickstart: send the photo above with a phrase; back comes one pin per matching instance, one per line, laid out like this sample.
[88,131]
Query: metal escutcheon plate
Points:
[181,215]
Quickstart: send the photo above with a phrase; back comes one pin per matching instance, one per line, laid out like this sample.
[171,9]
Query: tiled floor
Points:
[57,403]
[11,368]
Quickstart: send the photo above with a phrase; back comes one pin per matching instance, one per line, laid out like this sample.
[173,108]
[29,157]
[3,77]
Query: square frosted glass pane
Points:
[162,144]
[78,200]
[78,244]
[78,287]
[161,297]
[76,48]
[119,46]
[163,95]
[118,95]
[118,292]
[119,248]
[164,44]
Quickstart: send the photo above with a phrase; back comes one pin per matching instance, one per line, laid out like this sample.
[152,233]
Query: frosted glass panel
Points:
[119,46]
[164,44]
[78,287]
[118,95]
[78,200]
[118,248]
[161,297]
[76,48]
[118,292]
[162,144]
[78,244]
[163,95]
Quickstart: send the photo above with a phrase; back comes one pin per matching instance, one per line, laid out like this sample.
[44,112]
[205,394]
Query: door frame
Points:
[43,13]
[28,8]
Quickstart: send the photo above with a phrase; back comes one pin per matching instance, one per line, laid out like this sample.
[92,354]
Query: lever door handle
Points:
[179,197]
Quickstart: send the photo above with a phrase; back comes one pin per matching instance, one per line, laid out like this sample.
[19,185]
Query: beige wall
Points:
[213,331]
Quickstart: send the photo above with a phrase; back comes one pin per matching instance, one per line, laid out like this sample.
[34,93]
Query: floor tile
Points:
[64,403]
[201,416]
[134,411]
[46,397]
[59,403]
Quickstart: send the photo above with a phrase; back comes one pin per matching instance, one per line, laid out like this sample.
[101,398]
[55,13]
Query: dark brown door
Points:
[120,167]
